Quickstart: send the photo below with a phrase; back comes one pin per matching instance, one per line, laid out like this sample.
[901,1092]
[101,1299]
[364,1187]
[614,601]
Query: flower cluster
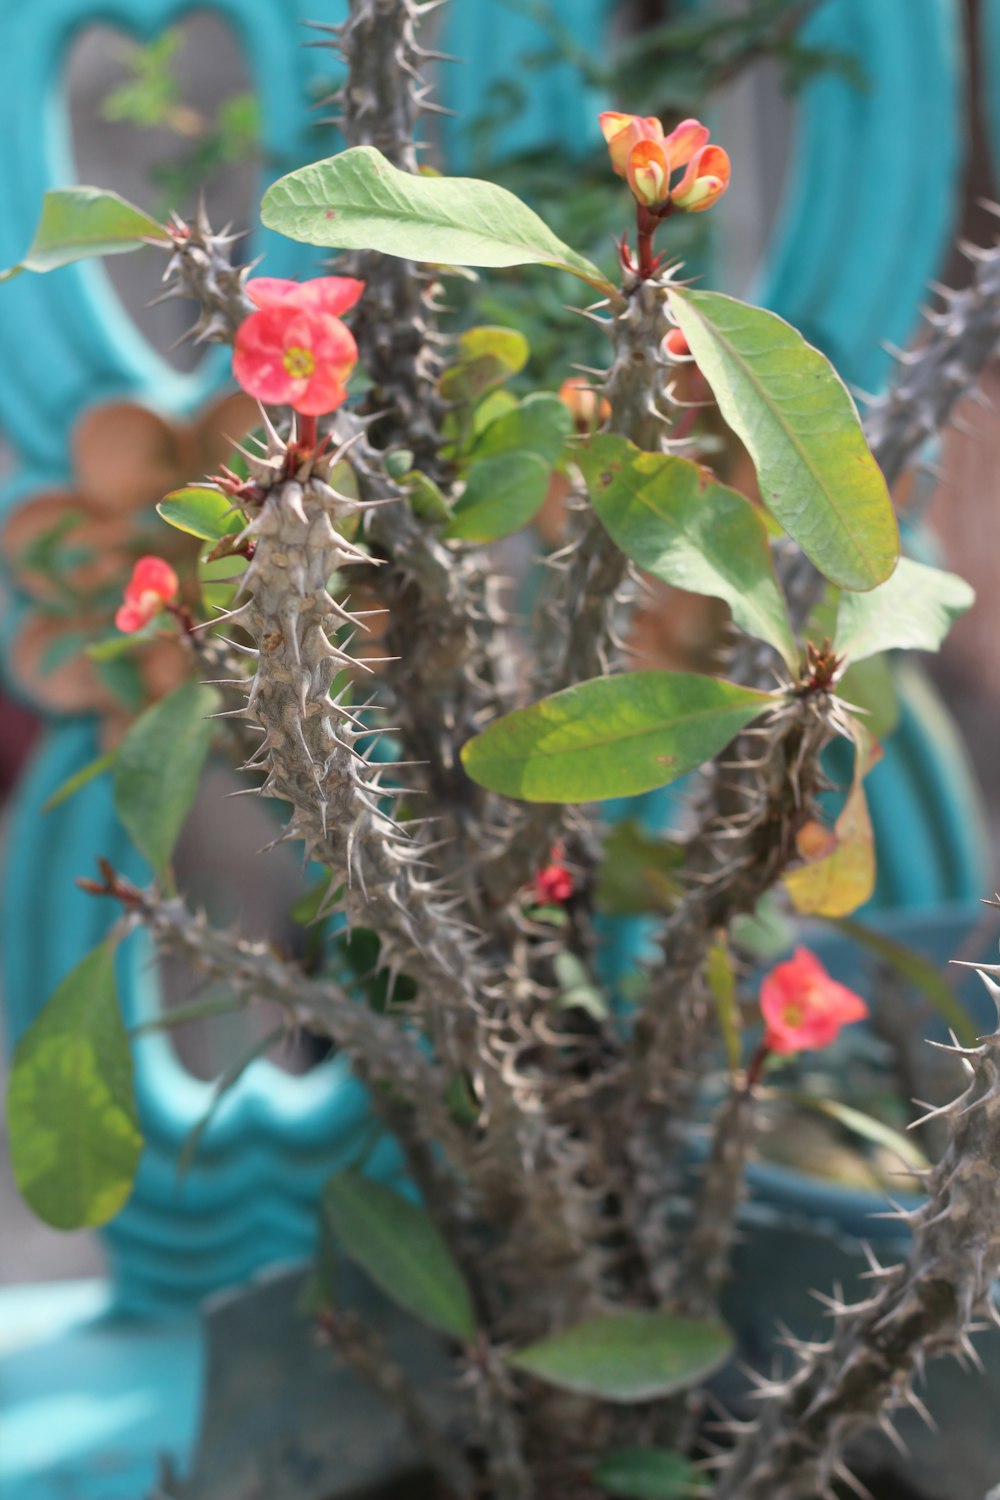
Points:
[803,1007]
[648,160]
[295,351]
[152,585]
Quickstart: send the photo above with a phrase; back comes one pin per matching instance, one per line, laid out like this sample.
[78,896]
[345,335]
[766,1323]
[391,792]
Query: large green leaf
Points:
[360,201]
[158,766]
[671,517]
[912,611]
[539,424]
[202,512]
[501,495]
[80,222]
[647,1474]
[629,1356]
[75,1140]
[792,411]
[610,737]
[398,1246]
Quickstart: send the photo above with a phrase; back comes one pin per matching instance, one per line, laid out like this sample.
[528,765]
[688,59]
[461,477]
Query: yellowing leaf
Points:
[839,882]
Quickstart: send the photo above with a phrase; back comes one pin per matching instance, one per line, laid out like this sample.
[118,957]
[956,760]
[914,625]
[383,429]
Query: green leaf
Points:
[912,611]
[426,499]
[870,686]
[360,201]
[202,512]
[75,1140]
[610,737]
[575,987]
[917,971]
[864,1125]
[789,407]
[501,495]
[629,1356]
[647,1474]
[79,779]
[80,222]
[671,517]
[158,766]
[487,356]
[637,873]
[539,424]
[116,646]
[398,1246]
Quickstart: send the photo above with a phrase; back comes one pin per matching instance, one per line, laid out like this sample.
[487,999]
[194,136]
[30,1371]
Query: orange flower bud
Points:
[587,409]
[705,180]
[647,159]
[648,174]
[624,132]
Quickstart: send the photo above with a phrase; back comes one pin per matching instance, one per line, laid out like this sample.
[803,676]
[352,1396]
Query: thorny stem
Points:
[361,1348]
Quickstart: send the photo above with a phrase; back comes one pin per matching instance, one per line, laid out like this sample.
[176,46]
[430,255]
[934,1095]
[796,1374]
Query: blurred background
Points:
[863,140]
[175,119]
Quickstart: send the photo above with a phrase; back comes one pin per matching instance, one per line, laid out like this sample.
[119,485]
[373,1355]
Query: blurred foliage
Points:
[670,68]
[151,96]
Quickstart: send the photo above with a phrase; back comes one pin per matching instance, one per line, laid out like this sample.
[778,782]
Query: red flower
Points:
[295,351]
[676,345]
[153,584]
[554,883]
[803,1007]
[647,159]
[326,294]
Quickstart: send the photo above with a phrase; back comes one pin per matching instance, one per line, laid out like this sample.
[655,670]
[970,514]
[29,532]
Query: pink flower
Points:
[153,584]
[325,294]
[295,351]
[648,159]
[803,1007]
[554,883]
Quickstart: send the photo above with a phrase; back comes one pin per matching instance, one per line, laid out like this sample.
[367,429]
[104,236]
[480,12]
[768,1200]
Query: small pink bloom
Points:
[803,1007]
[554,883]
[289,355]
[153,584]
[325,294]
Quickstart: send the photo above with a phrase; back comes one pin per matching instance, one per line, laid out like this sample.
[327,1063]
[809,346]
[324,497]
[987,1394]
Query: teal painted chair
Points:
[98,1378]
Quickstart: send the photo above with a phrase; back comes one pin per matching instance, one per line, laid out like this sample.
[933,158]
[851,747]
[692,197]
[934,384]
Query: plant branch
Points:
[919,1310]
